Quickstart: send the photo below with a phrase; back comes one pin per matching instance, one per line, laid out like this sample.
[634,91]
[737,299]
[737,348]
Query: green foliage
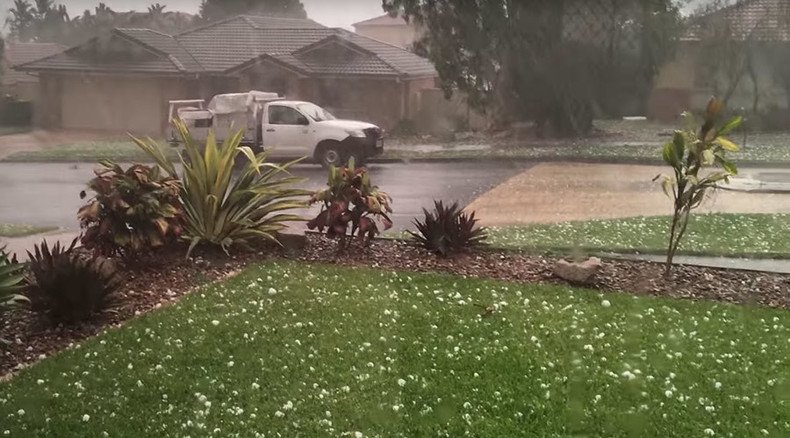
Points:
[448,230]
[690,154]
[224,209]
[46,21]
[351,199]
[404,128]
[70,287]
[2,56]
[133,210]
[11,281]
[211,10]
[545,60]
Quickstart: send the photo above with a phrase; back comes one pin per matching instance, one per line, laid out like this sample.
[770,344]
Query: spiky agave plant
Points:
[448,229]
[224,209]
[70,287]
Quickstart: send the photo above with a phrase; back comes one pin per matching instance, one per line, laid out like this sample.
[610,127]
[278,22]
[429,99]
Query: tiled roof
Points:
[166,45]
[233,43]
[761,20]
[22,53]
[82,58]
[383,20]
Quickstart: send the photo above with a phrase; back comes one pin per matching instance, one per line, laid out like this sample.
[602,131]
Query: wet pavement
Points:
[47,194]
[557,192]
[761,181]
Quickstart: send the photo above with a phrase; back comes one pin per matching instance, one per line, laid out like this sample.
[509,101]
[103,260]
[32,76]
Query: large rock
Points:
[582,273]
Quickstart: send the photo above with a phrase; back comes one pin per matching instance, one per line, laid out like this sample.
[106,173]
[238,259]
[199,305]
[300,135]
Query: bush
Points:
[689,152]
[447,230]
[11,281]
[350,199]
[404,128]
[220,209]
[15,112]
[70,287]
[134,210]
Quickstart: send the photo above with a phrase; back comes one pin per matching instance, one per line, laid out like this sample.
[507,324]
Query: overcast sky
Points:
[332,13]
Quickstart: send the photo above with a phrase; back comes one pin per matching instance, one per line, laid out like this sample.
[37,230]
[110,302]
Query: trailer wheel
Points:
[329,153]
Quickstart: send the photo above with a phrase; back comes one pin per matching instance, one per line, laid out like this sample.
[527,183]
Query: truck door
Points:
[286,132]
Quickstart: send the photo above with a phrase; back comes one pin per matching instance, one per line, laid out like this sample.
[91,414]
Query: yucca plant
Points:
[447,230]
[70,287]
[350,200]
[11,281]
[132,211]
[224,209]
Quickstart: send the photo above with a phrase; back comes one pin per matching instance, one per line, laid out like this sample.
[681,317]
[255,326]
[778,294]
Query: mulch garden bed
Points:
[635,277]
[147,285]
[167,276]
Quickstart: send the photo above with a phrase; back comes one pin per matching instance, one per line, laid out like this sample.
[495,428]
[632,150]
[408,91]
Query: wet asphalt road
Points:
[47,194]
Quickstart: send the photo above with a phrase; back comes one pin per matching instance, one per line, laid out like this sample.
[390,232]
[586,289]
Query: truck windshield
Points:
[315,112]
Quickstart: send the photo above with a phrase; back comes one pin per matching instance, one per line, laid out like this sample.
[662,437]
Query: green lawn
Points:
[126,151]
[288,349]
[758,235]
[16,230]
[119,151]
[601,152]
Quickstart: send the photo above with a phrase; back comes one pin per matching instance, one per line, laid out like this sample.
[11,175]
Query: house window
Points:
[282,115]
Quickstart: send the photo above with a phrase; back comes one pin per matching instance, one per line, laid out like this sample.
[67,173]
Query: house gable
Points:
[756,20]
[112,48]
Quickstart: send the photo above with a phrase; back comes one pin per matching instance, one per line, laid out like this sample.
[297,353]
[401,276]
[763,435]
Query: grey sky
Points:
[333,13]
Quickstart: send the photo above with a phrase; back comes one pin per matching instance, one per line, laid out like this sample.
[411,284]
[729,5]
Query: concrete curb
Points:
[772,266]
[20,245]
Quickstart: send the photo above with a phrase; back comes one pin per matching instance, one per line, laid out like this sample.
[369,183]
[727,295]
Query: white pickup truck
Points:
[283,128]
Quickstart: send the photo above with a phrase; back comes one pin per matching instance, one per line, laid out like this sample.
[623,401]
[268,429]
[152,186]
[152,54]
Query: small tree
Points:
[688,154]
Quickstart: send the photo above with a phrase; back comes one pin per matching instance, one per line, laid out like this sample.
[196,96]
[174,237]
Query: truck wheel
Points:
[330,154]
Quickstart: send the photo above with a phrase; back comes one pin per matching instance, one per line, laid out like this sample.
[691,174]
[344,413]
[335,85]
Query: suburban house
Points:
[122,81]
[756,34]
[18,84]
[436,114]
[390,29]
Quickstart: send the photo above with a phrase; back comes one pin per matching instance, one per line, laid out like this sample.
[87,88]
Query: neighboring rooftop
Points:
[383,20]
[22,53]
[234,43]
[761,20]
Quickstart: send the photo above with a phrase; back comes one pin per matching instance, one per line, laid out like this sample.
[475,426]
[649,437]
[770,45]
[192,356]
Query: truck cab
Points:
[297,128]
[283,128]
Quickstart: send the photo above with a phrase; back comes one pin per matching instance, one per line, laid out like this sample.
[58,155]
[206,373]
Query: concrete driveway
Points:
[47,194]
[556,192]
